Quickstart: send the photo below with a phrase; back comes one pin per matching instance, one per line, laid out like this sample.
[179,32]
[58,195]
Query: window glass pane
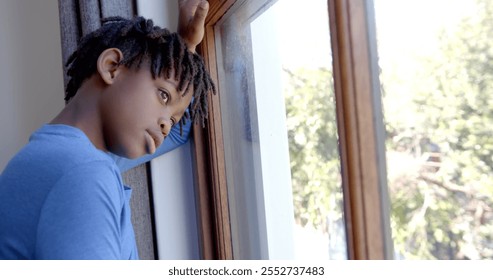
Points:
[437,77]
[312,131]
[279,127]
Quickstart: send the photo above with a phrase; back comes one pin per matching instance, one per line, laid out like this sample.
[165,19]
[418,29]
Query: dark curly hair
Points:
[141,41]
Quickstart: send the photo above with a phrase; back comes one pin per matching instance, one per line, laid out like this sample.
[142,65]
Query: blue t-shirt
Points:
[61,198]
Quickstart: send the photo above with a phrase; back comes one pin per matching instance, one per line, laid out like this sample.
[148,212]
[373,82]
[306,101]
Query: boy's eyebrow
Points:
[174,84]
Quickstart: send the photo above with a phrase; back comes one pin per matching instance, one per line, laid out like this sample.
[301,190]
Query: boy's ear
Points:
[108,64]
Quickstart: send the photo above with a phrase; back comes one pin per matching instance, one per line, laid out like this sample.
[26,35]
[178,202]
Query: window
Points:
[238,149]
[436,80]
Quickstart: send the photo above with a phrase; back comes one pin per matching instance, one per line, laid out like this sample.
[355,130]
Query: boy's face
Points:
[138,111]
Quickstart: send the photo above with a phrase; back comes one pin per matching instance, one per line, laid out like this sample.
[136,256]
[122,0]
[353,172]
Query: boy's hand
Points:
[191,21]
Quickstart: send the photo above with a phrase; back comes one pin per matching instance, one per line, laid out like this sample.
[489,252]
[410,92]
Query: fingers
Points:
[198,20]
[187,11]
[188,7]
[191,21]
[193,10]
[201,13]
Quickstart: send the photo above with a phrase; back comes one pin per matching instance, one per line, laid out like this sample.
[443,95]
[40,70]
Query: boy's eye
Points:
[164,96]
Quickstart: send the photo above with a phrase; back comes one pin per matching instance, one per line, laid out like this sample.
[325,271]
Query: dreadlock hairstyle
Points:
[141,41]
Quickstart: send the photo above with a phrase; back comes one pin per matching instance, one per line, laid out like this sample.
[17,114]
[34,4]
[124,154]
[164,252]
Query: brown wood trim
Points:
[217,9]
[212,193]
[356,124]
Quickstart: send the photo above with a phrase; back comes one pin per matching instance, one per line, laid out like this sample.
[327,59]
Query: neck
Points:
[83,112]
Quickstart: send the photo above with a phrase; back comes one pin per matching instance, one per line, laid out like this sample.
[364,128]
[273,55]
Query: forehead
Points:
[174,82]
[169,82]
[166,70]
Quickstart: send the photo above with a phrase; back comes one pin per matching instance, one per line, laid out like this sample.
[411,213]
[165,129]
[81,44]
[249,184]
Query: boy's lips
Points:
[153,140]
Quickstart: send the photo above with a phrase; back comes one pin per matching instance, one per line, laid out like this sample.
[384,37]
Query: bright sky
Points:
[304,33]
[407,32]
[411,26]
[404,24]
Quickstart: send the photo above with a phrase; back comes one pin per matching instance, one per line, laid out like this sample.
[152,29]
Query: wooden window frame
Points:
[360,128]
[208,151]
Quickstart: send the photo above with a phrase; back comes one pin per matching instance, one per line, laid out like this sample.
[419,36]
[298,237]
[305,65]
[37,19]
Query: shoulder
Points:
[97,179]
[55,151]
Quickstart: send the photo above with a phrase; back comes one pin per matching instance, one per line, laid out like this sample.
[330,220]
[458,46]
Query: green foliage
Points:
[442,203]
[313,146]
[439,146]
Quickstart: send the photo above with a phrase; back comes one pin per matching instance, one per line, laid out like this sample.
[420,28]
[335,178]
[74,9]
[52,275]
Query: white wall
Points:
[31,77]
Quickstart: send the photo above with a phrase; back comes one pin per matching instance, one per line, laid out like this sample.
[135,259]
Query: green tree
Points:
[440,164]
[442,201]
[313,146]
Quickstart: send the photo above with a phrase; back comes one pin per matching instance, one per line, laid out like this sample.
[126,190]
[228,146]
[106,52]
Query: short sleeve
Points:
[81,216]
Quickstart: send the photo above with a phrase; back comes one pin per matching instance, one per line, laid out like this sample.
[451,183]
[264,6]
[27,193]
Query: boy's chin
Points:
[135,155]
[130,153]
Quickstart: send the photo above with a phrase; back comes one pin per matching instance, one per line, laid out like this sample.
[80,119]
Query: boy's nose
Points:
[165,126]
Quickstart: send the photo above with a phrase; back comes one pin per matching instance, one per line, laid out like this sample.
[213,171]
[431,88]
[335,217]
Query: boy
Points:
[62,196]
